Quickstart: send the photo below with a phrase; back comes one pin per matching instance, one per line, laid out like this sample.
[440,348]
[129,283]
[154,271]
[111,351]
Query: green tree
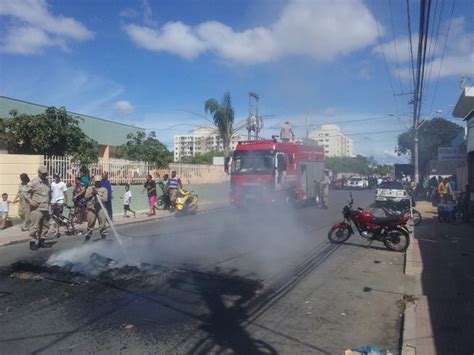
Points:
[53,132]
[147,148]
[433,134]
[223,117]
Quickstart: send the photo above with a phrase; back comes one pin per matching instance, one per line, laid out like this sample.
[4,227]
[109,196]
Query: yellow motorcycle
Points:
[186,202]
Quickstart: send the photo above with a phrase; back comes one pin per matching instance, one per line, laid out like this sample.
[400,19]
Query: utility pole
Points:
[254,122]
[307,125]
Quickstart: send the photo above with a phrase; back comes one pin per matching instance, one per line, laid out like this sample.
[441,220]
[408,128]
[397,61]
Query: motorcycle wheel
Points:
[416,220]
[339,235]
[397,240]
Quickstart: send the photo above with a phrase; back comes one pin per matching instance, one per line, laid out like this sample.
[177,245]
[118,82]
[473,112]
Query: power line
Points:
[412,60]
[442,56]
[423,61]
[395,45]
[433,52]
[384,57]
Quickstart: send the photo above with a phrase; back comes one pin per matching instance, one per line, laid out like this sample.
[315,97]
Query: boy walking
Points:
[4,208]
[127,200]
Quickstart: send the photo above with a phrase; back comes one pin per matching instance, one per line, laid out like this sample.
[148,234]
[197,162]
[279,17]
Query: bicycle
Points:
[63,221]
[405,208]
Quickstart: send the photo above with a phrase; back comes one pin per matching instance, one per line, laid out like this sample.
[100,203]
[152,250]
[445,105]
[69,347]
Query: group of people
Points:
[39,199]
[169,186]
[436,189]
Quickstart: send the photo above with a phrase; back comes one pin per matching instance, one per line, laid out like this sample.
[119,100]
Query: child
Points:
[127,200]
[4,207]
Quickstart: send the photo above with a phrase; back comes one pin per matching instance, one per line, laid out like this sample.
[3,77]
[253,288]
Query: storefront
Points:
[465,109]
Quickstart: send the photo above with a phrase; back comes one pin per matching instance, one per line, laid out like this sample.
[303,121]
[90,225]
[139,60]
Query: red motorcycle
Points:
[392,231]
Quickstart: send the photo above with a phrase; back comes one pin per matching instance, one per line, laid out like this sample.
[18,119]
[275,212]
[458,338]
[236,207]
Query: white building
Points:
[200,141]
[335,143]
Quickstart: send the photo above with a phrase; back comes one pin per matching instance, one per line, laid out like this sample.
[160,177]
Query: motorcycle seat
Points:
[385,220]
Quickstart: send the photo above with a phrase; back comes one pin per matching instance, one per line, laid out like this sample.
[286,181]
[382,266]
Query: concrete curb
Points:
[413,269]
[202,209]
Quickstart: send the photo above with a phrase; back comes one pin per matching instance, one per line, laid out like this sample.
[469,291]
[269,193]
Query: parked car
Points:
[391,191]
[340,184]
[357,182]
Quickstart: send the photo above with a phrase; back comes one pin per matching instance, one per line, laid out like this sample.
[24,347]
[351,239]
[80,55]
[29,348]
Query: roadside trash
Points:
[364,350]
[129,326]
[102,261]
[343,314]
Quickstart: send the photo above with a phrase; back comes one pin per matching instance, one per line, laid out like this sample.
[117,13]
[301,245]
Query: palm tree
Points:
[223,117]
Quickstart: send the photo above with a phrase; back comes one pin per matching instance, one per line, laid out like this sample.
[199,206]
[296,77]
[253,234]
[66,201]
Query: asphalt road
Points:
[222,282]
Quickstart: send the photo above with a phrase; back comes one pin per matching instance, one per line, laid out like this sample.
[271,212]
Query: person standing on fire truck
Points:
[286,133]
[324,189]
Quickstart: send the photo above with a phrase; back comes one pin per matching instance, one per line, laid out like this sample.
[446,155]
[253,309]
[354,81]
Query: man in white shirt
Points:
[58,196]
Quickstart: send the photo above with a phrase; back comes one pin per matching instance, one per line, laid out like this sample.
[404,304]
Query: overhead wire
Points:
[443,55]
[384,57]
[410,35]
[423,60]
[397,65]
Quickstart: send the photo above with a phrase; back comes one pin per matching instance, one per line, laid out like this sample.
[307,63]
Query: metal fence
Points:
[123,171]
[120,171]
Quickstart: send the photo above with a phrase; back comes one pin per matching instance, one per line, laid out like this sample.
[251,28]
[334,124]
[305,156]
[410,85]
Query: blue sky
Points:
[143,62]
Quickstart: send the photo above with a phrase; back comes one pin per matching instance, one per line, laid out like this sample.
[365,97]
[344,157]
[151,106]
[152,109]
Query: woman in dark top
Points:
[150,187]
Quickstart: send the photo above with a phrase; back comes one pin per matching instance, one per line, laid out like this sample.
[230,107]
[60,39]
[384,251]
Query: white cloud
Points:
[174,37]
[318,29]
[124,107]
[458,60]
[32,27]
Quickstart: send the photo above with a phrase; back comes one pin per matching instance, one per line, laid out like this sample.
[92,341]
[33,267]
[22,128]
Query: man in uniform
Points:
[94,208]
[324,189]
[37,195]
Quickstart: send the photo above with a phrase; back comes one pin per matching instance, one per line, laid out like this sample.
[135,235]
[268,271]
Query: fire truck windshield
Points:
[253,162]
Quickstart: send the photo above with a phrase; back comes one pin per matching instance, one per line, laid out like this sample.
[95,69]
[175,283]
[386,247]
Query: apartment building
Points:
[335,143]
[200,141]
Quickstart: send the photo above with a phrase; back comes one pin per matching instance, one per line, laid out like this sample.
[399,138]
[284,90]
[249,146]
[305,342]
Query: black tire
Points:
[339,235]
[397,240]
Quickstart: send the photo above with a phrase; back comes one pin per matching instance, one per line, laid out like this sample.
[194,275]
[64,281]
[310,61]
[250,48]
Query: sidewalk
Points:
[441,260]
[14,235]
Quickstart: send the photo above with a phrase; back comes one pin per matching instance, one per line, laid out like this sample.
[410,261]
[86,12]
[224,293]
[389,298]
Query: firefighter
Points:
[37,195]
[324,189]
[94,208]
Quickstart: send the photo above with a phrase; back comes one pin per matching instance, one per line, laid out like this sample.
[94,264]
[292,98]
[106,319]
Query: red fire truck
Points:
[269,171]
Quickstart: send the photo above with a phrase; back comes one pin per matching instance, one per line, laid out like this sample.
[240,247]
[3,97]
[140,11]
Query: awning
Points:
[465,105]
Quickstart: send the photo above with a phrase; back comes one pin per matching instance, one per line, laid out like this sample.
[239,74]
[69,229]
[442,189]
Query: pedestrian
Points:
[37,195]
[23,208]
[127,201]
[444,190]
[433,189]
[166,196]
[94,195]
[426,188]
[4,209]
[452,182]
[58,197]
[85,180]
[150,188]
[105,183]
[78,198]
[324,189]
[172,187]
[286,133]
